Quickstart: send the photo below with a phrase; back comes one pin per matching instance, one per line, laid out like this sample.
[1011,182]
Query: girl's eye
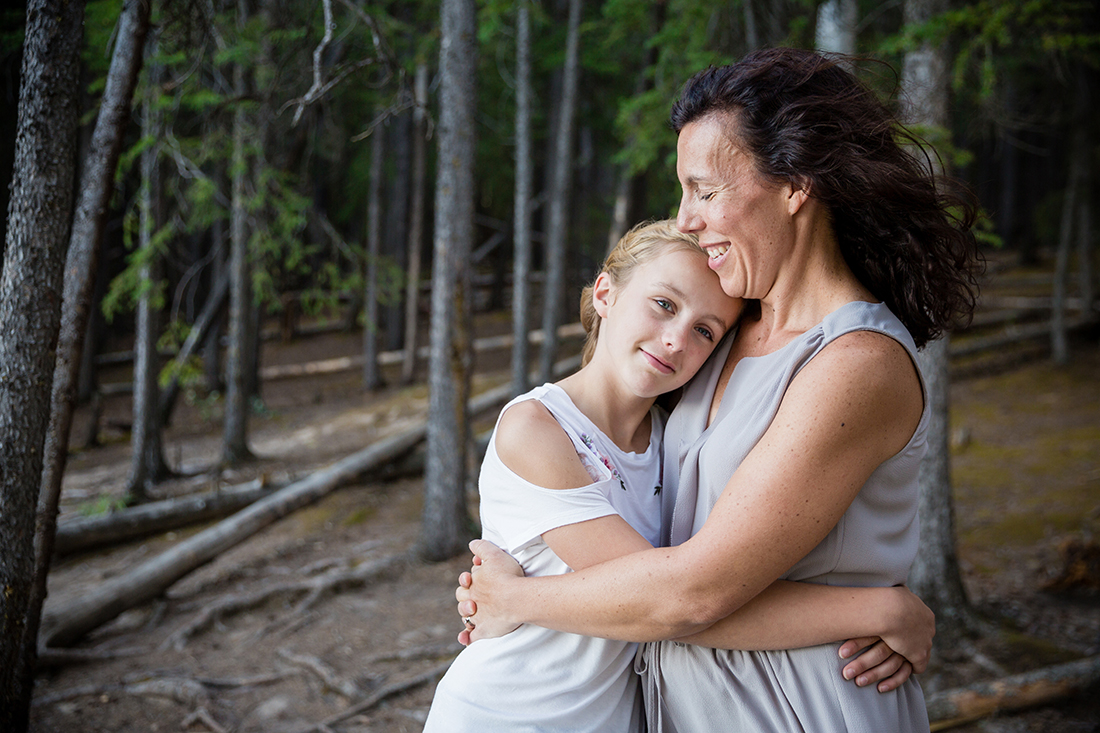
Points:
[662,303]
[705,332]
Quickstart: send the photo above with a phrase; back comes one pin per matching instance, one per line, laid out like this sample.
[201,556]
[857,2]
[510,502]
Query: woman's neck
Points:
[620,415]
[814,281]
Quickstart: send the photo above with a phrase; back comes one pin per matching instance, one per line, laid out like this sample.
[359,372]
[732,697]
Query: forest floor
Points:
[1026,466]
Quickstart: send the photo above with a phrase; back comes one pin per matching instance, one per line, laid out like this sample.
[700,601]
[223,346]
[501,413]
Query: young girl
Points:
[572,477]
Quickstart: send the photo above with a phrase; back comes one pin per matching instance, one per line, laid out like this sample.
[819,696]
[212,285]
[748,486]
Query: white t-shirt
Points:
[535,679]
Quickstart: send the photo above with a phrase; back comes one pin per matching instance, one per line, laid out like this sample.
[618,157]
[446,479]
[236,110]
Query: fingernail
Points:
[849,674]
[845,653]
[861,681]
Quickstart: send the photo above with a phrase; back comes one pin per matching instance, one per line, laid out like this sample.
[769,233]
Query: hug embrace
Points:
[737,563]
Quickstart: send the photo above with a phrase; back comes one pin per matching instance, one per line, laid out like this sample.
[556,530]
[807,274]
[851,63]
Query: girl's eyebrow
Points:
[722,325]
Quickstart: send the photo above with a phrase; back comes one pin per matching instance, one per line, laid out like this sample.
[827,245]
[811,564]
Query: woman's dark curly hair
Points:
[807,121]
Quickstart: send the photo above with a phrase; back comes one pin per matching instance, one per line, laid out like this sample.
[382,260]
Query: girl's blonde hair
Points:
[642,244]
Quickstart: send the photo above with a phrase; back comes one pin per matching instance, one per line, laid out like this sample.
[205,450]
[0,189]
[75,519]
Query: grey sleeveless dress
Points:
[694,689]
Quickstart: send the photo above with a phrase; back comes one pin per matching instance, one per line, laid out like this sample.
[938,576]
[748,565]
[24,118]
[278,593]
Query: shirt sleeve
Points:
[520,511]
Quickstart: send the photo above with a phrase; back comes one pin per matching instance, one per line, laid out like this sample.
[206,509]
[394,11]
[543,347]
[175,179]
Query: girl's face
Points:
[661,325]
[745,227]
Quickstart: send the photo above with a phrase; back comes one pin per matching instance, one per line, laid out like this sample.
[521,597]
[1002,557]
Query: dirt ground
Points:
[1026,468]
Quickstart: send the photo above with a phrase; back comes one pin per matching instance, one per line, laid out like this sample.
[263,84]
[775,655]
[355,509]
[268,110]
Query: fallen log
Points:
[64,626]
[963,705]
[1010,336]
[81,534]
[151,578]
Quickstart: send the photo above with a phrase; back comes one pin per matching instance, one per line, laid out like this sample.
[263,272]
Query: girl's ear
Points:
[602,295]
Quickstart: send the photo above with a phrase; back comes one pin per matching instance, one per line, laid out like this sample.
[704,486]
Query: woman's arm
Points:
[852,407]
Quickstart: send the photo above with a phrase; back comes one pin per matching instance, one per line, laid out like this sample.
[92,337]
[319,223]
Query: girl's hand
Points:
[480,593]
[890,660]
[876,663]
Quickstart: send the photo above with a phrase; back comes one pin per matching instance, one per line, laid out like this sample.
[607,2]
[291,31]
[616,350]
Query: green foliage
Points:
[100,506]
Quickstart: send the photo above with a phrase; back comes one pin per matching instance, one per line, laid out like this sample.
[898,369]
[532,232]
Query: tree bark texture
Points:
[836,26]
[445,525]
[147,464]
[81,266]
[235,430]
[395,230]
[416,222]
[558,226]
[521,262]
[372,379]
[963,705]
[935,575]
[39,221]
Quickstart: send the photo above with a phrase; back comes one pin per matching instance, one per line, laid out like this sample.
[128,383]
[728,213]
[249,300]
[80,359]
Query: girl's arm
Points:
[852,407]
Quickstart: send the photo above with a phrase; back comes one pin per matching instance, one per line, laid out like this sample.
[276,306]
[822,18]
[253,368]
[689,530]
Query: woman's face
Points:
[745,226]
[662,323]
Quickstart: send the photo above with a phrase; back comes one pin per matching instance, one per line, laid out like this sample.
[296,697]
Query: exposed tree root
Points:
[311,588]
[331,681]
[388,691]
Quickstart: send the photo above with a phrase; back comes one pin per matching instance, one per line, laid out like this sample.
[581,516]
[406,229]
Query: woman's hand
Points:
[890,660]
[480,593]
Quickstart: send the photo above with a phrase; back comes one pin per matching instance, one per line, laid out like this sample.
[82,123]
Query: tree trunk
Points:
[147,464]
[752,36]
[521,263]
[836,26]
[445,524]
[416,223]
[372,380]
[558,225]
[1074,205]
[1059,338]
[204,325]
[39,219]
[96,186]
[1084,248]
[935,575]
[211,346]
[396,230]
[235,448]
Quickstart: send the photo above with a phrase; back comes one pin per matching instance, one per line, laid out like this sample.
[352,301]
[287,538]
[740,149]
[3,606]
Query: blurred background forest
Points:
[413,192]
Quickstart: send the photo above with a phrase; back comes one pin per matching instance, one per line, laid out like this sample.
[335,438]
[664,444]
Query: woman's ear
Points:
[602,295]
[798,196]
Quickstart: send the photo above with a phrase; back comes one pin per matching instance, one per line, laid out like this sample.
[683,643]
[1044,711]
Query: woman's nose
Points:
[686,219]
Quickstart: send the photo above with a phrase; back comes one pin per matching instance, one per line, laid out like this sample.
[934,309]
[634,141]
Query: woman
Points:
[794,453]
